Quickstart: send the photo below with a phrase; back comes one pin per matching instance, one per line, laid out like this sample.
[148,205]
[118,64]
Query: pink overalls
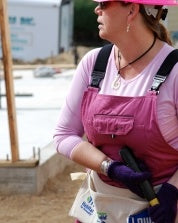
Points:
[111,122]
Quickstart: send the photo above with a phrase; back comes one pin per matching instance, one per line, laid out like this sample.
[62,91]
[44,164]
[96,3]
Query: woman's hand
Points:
[166,211]
[117,171]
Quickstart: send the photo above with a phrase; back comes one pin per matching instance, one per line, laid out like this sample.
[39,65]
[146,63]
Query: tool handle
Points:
[146,187]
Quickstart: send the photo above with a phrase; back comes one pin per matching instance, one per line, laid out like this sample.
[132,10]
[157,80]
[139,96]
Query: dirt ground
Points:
[51,206]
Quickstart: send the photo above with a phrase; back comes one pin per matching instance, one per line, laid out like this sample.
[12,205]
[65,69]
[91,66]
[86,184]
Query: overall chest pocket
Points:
[113,124]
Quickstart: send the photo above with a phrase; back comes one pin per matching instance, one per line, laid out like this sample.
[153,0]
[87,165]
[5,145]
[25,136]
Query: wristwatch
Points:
[105,165]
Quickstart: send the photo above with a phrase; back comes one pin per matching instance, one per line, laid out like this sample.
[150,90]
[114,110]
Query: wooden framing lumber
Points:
[7,63]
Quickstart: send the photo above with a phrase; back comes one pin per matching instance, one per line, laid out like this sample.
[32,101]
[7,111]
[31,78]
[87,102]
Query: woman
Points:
[123,111]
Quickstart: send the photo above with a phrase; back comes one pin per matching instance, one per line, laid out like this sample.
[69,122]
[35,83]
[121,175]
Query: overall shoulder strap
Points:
[100,65]
[164,70]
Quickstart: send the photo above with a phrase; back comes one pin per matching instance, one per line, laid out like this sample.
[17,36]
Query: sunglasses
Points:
[103,5]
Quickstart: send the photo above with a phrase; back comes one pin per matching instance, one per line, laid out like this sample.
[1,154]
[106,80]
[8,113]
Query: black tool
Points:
[146,187]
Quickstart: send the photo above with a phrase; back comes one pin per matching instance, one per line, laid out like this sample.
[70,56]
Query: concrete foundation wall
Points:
[31,180]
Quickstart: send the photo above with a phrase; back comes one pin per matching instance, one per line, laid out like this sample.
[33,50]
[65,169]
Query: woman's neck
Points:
[131,50]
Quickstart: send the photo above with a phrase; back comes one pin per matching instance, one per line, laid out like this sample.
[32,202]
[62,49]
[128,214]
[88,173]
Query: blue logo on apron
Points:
[141,217]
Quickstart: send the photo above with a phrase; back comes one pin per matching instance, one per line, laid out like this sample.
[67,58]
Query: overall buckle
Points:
[157,81]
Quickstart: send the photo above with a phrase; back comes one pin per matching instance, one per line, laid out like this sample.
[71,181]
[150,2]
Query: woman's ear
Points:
[133,11]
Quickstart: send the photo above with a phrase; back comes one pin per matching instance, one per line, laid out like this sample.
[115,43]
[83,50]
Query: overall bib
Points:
[111,122]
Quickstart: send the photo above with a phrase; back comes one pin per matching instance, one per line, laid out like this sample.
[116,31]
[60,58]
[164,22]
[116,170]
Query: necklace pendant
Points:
[116,83]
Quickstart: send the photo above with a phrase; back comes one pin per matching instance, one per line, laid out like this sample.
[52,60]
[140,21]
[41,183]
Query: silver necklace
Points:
[117,80]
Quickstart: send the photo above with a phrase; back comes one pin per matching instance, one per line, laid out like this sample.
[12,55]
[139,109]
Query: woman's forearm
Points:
[174,180]
[88,156]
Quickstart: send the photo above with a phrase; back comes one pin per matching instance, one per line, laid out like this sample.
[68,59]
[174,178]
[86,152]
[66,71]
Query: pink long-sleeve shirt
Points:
[69,130]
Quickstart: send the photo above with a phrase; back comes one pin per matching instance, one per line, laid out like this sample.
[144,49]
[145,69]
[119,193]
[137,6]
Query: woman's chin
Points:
[102,34]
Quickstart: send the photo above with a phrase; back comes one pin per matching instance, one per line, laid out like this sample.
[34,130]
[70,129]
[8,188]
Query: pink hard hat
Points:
[146,2]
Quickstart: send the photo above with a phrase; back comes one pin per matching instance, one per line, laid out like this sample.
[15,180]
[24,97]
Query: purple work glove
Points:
[166,211]
[117,171]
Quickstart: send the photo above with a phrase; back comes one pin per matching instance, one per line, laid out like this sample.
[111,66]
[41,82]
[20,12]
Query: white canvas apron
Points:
[98,202]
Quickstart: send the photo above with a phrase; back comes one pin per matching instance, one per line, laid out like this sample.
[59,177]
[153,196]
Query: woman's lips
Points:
[100,26]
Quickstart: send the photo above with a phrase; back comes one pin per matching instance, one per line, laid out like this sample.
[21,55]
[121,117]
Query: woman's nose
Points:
[97,10]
